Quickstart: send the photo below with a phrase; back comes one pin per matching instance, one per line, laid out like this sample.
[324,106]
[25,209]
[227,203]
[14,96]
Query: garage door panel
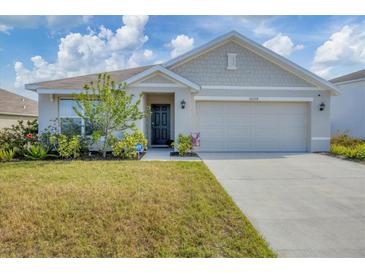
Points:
[237,122]
[232,133]
[252,126]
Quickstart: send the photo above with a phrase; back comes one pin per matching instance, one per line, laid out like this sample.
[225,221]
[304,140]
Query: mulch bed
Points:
[92,156]
[189,154]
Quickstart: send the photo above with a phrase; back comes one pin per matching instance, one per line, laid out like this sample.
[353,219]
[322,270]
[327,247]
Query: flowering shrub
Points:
[126,148]
[19,136]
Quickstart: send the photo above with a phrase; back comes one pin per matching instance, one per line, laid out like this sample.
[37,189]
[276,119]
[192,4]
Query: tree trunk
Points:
[105,144]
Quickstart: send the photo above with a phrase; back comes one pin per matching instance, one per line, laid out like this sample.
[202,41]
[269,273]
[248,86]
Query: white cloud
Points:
[282,45]
[260,25]
[5,29]
[140,57]
[94,52]
[344,48]
[180,44]
[52,22]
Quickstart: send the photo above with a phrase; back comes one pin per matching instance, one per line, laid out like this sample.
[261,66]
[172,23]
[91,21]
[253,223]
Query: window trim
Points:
[231,61]
[72,117]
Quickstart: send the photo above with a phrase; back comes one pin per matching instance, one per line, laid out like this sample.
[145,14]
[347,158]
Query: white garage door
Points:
[252,126]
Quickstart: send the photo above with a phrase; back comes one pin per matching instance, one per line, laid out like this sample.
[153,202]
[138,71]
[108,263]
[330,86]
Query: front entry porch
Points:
[160,125]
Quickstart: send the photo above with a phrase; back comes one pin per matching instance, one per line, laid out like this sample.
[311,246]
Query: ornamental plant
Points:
[68,147]
[352,152]
[37,152]
[7,155]
[126,148]
[108,108]
[19,136]
[184,145]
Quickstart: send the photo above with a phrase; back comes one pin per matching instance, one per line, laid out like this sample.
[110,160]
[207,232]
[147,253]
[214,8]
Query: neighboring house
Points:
[239,95]
[348,110]
[14,107]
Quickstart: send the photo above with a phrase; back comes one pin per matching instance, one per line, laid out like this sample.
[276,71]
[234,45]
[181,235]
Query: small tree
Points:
[107,107]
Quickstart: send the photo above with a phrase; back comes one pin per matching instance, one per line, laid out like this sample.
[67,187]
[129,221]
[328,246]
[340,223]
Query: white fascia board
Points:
[157,85]
[58,91]
[32,87]
[165,71]
[18,114]
[349,82]
[264,52]
[252,99]
[257,88]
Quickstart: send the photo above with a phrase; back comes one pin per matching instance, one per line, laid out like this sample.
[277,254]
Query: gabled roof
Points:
[164,71]
[130,75]
[260,50]
[357,75]
[78,82]
[13,104]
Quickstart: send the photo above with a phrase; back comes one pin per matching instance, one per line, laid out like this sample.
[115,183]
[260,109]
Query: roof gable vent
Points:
[231,61]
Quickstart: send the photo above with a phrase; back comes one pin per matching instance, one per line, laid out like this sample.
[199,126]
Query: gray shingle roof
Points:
[11,103]
[349,77]
[79,81]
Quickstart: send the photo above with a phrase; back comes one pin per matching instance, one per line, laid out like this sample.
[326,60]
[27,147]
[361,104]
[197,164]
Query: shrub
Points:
[126,148]
[345,140]
[68,147]
[352,152]
[19,136]
[7,155]
[37,152]
[348,146]
[184,145]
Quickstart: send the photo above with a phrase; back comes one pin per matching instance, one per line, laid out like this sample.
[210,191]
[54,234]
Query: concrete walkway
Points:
[163,154]
[305,205]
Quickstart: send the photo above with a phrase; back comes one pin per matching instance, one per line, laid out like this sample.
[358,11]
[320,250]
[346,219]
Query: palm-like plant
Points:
[37,152]
[7,154]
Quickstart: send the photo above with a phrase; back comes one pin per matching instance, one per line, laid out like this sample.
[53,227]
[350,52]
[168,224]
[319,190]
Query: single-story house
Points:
[239,95]
[348,110]
[14,107]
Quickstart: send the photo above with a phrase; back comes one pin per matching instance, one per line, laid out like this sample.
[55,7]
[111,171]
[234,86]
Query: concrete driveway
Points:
[305,205]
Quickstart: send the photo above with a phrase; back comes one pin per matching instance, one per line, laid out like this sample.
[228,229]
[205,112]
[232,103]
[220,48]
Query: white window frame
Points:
[61,116]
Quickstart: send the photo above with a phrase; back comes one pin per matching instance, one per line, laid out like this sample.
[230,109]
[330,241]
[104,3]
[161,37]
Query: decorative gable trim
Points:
[169,73]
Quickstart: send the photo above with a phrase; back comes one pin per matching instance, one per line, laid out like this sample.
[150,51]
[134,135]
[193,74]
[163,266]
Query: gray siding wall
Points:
[348,110]
[252,69]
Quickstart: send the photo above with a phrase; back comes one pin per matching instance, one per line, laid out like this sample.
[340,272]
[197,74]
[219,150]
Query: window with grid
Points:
[70,123]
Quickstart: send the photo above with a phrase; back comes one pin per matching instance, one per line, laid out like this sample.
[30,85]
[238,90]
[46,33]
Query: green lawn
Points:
[120,209]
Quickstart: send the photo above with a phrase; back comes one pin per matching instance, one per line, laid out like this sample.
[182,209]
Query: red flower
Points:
[29,136]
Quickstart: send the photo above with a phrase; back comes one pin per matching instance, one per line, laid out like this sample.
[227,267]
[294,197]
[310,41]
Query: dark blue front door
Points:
[160,124]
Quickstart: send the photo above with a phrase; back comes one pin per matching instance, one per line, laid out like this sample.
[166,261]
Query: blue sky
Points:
[37,48]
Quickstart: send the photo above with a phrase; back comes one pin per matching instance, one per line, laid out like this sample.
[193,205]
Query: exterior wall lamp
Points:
[322,106]
[183,103]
